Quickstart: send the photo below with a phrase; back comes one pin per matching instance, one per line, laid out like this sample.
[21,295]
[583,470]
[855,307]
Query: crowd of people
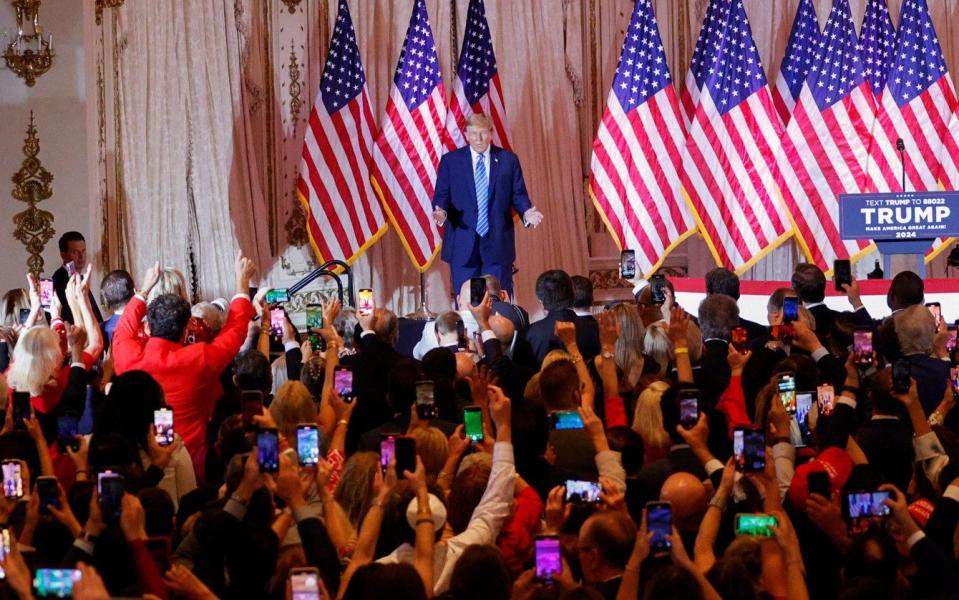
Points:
[638,450]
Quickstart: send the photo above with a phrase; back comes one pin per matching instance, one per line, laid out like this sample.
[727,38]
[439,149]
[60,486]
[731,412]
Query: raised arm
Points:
[566,332]
[94,336]
[370,529]
[678,327]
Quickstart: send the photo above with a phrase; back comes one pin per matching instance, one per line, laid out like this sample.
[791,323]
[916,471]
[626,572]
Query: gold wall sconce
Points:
[291,5]
[33,184]
[28,54]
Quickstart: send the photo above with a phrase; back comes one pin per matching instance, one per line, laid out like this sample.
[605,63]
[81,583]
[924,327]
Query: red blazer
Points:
[189,375]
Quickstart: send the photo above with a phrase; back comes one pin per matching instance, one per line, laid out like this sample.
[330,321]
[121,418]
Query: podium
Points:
[900,223]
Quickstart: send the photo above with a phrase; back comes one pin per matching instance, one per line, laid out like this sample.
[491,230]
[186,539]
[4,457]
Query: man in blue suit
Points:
[477,189]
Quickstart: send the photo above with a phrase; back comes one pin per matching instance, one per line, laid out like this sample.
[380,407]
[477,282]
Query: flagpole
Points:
[422,312]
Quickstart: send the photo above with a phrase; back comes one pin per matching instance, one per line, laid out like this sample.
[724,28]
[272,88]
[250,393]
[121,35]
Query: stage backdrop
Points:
[200,107]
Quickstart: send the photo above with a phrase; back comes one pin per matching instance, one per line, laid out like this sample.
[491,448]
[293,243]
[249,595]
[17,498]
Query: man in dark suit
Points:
[554,289]
[723,281]
[73,251]
[477,188]
[886,438]
[809,283]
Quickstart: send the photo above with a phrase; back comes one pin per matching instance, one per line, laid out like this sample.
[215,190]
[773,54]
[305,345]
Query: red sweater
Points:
[189,375]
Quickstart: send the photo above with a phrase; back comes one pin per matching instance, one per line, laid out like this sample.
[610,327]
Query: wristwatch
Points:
[608,355]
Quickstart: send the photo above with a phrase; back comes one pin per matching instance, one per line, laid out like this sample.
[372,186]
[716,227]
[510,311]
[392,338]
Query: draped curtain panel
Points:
[201,107]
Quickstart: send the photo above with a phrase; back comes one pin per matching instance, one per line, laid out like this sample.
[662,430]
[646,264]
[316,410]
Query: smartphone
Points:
[314,316]
[21,406]
[739,338]
[365,302]
[5,546]
[936,309]
[24,315]
[786,383]
[582,491]
[818,483]
[305,583]
[110,493]
[71,268]
[862,347]
[901,373]
[841,273]
[627,264]
[826,397]
[688,408]
[549,558]
[12,479]
[566,419]
[425,401]
[866,510]
[749,448]
[163,423]
[278,296]
[473,423]
[277,317]
[757,525]
[790,309]
[951,341]
[55,583]
[316,342]
[477,290]
[68,427]
[343,383]
[462,342]
[49,492]
[268,450]
[405,454]
[954,375]
[387,451]
[659,521]
[46,292]
[803,406]
[251,403]
[308,444]
[657,286]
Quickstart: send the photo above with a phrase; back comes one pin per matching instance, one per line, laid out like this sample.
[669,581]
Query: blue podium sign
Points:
[899,216]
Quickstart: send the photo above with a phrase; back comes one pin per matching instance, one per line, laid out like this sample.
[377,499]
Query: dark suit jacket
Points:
[541,338]
[887,444]
[824,318]
[753,330]
[456,194]
[931,375]
[60,278]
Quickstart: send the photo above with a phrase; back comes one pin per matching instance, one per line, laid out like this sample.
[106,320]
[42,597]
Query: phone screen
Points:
[365,302]
[549,560]
[405,455]
[21,406]
[251,402]
[954,375]
[582,491]
[24,315]
[790,309]
[659,520]
[277,317]
[826,396]
[343,383]
[566,419]
[268,450]
[48,491]
[305,585]
[755,525]
[862,346]
[477,290]
[841,273]
[656,285]
[110,492]
[425,402]
[314,316]
[627,264]
[5,540]
[951,341]
[740,339]
[787,392]
[749,448]
[163,423]
[12,479]
[803,406]
[55,583]
[936,309]
[866,509]
[308,444]
[473,423]
[387,451]
[688,408]
[278,296]
[67,430]
[46,292]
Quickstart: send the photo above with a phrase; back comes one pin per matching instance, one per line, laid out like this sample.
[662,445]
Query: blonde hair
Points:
[479,120]
[555,356]
[292,405]
[648,418]
[354,492]
[658,345]
[171,281]
[629,345]
[14,301]
[36,359]
[432,448]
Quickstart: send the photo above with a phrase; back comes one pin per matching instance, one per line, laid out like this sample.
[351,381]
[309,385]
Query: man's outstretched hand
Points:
[532,217]
[244,268]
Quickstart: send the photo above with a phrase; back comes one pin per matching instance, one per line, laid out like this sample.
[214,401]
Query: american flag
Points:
[728,169]
[800,52]
[949,173]
[877,43]
[476,88]
[634,180]
[409,145]
[343,216]
[826,145]
[702,55]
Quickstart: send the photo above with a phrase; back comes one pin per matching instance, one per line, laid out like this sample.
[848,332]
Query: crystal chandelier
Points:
[28,54]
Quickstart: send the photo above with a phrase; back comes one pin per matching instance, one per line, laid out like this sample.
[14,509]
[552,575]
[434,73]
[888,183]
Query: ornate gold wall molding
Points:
[101,4]
[32,184]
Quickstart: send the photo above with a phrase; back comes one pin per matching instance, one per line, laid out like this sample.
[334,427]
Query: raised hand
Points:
[566,332]
[150,279]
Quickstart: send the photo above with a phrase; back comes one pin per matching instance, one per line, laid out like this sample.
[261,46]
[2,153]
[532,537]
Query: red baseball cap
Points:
[835,462]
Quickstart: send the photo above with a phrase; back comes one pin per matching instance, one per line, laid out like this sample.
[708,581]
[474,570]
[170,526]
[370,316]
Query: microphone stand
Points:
[901,147]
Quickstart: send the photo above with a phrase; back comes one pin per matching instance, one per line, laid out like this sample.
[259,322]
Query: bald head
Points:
[688,496]
[464,365]
[502,328]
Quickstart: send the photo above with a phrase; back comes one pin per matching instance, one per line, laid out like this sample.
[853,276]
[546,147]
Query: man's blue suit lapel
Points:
[493,168]
[468,165]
